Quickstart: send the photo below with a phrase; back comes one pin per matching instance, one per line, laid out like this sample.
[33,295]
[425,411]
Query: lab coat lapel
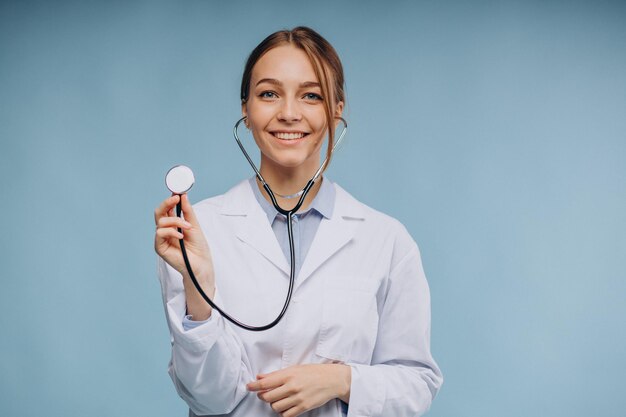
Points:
[333,234]
[253,228]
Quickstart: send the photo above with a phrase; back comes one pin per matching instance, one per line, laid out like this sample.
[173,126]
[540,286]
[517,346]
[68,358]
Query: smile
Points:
[289,135]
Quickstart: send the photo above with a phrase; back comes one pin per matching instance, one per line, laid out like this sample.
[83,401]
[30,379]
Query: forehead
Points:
[284,63]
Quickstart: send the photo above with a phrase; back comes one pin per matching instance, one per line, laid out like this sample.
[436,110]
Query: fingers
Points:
[173,222]
[257,386]
[168,233]
[165,207]
[287,391]
[267,381]
[271,388]
[188,212]
[274,394]
[284,404]
[168,225]
[281,398]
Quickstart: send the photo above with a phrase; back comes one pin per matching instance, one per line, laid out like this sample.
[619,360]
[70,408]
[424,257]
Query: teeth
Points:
[288,136]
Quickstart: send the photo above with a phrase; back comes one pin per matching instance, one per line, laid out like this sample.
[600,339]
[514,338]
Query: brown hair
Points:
[325,61]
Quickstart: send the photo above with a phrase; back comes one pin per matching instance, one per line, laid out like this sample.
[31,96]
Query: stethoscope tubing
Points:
[289,215]
[222,312]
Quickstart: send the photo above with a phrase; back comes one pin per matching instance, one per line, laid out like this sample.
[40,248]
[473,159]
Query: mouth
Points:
[289,135]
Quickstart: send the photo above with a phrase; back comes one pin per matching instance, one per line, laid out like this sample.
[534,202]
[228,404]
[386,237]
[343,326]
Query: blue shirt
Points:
[305,225]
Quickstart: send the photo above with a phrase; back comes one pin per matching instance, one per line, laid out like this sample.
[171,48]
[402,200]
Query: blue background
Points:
[495,131]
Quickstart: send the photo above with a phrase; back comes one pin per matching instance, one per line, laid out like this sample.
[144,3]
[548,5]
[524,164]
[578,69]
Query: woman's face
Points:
[285,111]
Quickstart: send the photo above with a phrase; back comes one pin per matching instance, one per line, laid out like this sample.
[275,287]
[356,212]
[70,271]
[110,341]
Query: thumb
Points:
[190,215]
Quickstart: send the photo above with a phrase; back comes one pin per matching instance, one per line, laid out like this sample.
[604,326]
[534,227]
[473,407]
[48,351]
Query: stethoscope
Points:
[180,179]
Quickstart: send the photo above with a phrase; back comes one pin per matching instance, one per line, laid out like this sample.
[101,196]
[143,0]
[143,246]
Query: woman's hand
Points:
[166,244]
[300,388]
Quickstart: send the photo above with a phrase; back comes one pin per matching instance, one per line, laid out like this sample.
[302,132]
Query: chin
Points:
[292,162]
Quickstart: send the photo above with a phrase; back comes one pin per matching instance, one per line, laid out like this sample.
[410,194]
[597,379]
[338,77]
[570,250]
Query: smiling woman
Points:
[356,339]
[286,114]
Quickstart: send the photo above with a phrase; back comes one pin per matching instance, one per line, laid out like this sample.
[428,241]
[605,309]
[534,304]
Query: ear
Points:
[244,113]
[338,111]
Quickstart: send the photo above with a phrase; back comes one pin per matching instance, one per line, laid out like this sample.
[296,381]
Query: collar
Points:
[240,201]
[247,218]
[323,203]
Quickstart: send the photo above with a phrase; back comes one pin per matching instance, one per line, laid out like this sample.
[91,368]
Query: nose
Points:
[289,111]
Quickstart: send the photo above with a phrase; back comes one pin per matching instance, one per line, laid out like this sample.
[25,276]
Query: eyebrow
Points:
[306,84]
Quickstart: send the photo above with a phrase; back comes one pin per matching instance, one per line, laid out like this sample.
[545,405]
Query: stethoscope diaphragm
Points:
[179,179]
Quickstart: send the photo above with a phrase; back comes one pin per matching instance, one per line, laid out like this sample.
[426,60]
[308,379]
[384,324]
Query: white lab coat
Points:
[361,298]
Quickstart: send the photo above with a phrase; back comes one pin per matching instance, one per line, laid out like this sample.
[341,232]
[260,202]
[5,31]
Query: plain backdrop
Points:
[495,131]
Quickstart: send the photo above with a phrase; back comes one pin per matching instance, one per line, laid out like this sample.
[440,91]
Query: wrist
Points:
[344,380]
[205,280]
[197,307]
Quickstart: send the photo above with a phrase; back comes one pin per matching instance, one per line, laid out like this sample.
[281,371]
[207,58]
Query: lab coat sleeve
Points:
[209,365]
[189,323]
[403,377]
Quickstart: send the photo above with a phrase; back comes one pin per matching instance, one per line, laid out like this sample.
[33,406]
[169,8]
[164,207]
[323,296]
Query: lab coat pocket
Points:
[349,324]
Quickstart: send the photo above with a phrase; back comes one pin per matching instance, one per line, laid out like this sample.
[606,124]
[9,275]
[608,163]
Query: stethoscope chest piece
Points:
[179,179]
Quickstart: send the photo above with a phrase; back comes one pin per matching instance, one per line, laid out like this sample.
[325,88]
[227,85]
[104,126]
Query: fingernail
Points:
[187,224]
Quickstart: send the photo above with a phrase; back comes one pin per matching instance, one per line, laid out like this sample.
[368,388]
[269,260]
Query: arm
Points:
[169,231]
[403,378]
[209,365]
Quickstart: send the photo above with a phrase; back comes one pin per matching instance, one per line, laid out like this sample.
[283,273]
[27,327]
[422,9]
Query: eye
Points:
[313,97]
[268,94]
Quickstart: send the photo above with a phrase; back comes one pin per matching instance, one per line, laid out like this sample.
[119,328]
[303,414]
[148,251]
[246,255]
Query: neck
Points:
[287,182]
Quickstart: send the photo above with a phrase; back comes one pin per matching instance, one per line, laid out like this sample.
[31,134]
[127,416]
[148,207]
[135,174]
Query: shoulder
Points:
[237,196]
[383,239]
[375,223]
[348,206]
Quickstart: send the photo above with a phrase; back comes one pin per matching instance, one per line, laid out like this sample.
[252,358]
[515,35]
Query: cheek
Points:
[320,120]
[258,116]
[318,128]
[319,143]
[256,135]
[321,136]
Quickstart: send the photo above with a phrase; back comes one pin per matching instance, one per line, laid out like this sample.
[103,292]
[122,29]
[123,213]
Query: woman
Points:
[356,337]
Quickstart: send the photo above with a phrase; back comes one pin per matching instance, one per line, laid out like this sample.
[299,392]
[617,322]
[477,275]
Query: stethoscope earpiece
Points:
[179,179]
